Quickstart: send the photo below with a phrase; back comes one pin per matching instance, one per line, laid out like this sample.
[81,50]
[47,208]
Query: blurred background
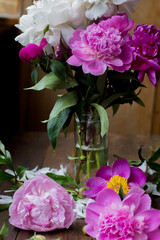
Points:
[23,110]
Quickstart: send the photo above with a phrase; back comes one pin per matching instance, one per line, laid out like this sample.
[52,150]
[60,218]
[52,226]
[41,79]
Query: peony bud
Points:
[31,53]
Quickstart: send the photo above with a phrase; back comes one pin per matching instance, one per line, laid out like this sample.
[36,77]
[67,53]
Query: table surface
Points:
[30,149]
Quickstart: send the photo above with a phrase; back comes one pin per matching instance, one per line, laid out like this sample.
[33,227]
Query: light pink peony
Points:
[42,205]
[102,45]
[110,218]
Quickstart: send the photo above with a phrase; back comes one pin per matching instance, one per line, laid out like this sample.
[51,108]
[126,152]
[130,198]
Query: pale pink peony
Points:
[42,205]
[146,41]
[110,218]
[103,45]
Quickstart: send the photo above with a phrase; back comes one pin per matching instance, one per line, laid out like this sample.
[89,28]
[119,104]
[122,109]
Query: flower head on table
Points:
[109,217]
[120,175]
[42,205]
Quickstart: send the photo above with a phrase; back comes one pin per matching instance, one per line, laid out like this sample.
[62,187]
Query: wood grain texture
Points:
[33,148]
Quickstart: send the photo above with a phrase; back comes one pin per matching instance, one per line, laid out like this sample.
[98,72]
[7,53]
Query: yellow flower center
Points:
[116,182]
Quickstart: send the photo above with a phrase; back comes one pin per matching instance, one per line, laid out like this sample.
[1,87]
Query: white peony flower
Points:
[5,199]
[50,19]
[95,9]
[81,205]
[152,189]
[29,174]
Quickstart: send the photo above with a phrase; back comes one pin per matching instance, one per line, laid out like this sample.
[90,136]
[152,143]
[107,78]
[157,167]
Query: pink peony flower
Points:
[31,53]
[42,205]
[121,174]
[110,218]
[102,45]
[146,40]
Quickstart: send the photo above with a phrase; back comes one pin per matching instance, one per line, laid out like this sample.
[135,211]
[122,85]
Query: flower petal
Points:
[132,199]
[145,203]
[155,235]
[136,189]
[108,196]
[151,218]
[104,172]
[96,184]
[74,61]
[95,67]
[90,229]
[152,77]
[121,167]
[137,176]
[92,212]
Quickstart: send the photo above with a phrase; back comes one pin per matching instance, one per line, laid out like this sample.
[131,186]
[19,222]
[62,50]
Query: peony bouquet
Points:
[84,47]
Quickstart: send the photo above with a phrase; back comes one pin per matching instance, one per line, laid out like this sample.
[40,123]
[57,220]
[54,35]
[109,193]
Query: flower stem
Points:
[97,160]
[88,164]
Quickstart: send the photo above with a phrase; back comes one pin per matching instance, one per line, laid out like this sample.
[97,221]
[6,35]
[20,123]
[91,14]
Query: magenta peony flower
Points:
[146,40]
[102,45]
[109,218]
[31,53]
[42,205]
[121,174]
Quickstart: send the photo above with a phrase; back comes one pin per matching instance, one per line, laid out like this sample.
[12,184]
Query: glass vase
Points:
[91,149]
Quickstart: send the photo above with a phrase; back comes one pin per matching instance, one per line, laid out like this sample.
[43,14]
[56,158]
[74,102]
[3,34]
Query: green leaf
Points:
[4,207]
[121,193]
[34,75]
[5,176]
[134,162]
[155,156]
[139,101]
[4,231]
[55,125]
[140,154]
[115,108]
[62,180]
[58,69]
[51,81]
[20,171]
[103,118]
[65,101]
[3,160]
[107,102]
[72,158]
[2,148]
[154,166]
[158,187]
[71,180]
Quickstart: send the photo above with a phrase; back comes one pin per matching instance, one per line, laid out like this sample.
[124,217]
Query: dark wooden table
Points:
[30,149]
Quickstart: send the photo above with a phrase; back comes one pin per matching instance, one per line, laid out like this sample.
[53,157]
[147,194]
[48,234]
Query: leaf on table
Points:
[4,206]
[5,176]
[4,231]
[20,171]
[155,156]
[62,180]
